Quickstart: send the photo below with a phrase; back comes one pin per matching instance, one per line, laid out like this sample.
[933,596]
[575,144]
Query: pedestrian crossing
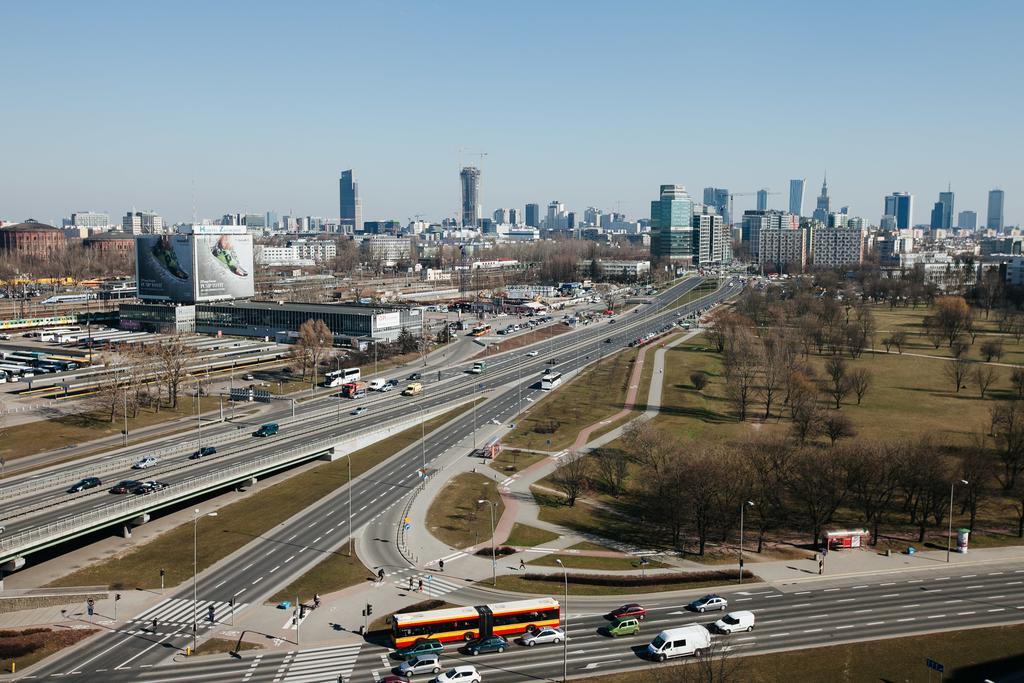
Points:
[319,665]
[433,585]
[179,611]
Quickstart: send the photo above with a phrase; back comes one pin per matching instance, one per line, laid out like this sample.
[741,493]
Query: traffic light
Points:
[369,609]
[162,573]
[117,596]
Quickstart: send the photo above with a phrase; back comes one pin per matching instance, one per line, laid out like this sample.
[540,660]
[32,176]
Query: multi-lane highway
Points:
[270,561]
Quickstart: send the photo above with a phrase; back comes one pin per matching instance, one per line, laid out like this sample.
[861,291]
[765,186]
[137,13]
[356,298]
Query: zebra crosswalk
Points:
[434,585]
[318,665]
[179,611]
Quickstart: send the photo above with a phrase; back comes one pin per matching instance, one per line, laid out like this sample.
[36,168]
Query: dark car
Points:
[203,452]
[489,644]
[608,340]
[148,487]
[87,483]
[629,610]
[415,376]
[425,646]
[268,429]
[393,382]
[552,361]
[125,486]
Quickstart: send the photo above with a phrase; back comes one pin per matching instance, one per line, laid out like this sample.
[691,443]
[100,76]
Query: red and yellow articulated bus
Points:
[466,623]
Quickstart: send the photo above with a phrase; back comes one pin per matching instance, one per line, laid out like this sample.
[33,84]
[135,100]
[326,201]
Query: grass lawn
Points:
[518,584]
[332,573]
[455,517]
[978,654]
[526,536]
[224,645]
[238,523]
[618,564]
[25,647]
[703,289]
[598,393]
[513,460]
[520,340]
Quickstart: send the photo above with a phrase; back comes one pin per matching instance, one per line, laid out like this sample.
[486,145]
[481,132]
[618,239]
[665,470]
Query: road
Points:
[270,561]
[820,614]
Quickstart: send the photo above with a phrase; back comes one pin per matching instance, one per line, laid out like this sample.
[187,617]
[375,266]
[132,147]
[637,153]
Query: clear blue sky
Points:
[107,105]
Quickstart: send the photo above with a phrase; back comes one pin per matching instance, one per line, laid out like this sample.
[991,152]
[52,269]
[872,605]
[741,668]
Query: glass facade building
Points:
[672,225]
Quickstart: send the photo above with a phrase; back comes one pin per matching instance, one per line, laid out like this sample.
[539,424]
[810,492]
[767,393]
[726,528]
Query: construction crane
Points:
[746,194]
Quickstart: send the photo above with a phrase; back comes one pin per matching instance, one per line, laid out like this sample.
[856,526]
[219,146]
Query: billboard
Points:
[163,267]
[224,265]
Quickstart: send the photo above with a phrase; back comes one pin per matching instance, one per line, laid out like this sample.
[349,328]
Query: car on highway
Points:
[679,642]
[393,382]
[608,340]
[623,627]
[424,646]
[203,452]
[248,377]
[709,602]
[735,621]
[148,461]
[268,429]
[541,636]
[552,361]
[488,644]
[124,486]
[358,411]
[148,487]
[630,609]
[532,354]
[87,483]
[460,674]
[420,664]
[387,387]
[415,376]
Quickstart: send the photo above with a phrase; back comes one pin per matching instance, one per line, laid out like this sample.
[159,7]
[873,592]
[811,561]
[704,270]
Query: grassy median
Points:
[455,517]
[238,523]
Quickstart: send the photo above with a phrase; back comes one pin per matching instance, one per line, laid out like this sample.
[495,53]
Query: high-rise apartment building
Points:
[710,236]
[967,220]
[718,197]
[995,211]
[532,215]
[824,204]
[754,222]
[762,200]
[900,205]
[351,205]
[142,223]
[796,197]
[672,225]
[781,249]
[90,220]
[472,211]
[838,246]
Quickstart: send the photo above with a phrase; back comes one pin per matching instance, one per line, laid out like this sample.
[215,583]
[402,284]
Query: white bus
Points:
[550,381]
[336,378]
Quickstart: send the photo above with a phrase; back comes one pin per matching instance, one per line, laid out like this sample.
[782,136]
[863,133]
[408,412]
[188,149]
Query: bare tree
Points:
[803,407]
[172,358]
[956,371]
[978,469]
[741,368]
[838,383]
[952,317]
[872,476]
[611,466]
[108,395]
[1017,379]
[572,477]
[819,485]
[837,426]
[766,468]
[984,376]
[992,350]
[773,369]
[1007,426]
[861,380]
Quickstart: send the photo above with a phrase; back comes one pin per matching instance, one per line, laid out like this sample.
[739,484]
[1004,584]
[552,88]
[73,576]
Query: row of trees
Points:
[142,376]
[70,261]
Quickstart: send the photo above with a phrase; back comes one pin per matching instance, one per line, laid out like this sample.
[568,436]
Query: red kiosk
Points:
[852,538]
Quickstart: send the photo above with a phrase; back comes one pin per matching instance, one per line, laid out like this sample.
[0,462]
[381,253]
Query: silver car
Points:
[544,635]
[420,664]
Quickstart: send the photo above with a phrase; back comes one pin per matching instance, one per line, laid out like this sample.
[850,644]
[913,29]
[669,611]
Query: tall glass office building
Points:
[351,205]
[672,225]
[796,197]
[995,211]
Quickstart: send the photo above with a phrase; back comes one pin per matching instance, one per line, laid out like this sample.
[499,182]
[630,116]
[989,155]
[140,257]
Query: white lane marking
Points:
[860,586]
[900,621]
[891,583]
[812,630]
[964,614]
[935,616]
[802,604]
[874,623]
[995,573]
[890,595]
[995,597]
[840,628]
[976,586]
[942,578]
[998,609]
[829,590]
[1013,583]
[862,611]
[915,581]
[274,569]
[950,602]
[802,593]
[846,600]
[258,580]
[778,635]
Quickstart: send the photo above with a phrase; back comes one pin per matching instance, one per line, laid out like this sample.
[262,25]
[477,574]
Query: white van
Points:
[679,642]
[376,384]
[735,621]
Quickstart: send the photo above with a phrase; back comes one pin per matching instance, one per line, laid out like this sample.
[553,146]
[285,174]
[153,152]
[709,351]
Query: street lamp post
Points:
[949,533]
[195,573]
[494,558]
[565,622]
[742,510]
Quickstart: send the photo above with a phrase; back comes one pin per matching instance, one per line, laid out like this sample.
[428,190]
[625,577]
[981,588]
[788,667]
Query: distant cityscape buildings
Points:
[762,200]
[995,211]
[351,206]
[718,197]
[942,212]
[824,205]
[796,196]
[142,223]
[967,220]
[900,205]
[532,215]
[472,211]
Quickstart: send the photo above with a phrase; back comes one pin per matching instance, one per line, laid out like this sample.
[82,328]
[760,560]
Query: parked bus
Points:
[480,330]
[550,381]
[15,370]
[507,619]
[353,389]
[336,378]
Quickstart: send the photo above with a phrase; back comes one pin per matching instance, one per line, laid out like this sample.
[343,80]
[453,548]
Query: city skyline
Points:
[285,156]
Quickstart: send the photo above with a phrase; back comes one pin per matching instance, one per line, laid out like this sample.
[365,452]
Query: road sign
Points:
[932,664]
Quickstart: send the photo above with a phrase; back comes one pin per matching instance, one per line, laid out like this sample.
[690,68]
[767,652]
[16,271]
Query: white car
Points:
[541,636]
[735,621]
[148,461]
[460,674]
[531,354]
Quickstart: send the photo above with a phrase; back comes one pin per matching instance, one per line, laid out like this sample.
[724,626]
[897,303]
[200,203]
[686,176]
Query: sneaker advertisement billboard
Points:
[163,268]
[224,265]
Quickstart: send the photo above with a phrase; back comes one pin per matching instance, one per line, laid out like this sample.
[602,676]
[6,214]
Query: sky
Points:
[215,107]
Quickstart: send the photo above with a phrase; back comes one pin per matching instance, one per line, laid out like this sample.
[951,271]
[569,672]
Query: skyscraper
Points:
[967,220]
[900,205]
[942,212]
[762,200]
[995,211]
[672,225]
[351,205]
[824,206]
[718,197]
[472,211]
[513,216]
[796,197]
[532,215]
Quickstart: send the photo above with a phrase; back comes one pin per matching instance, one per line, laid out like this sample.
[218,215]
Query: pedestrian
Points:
[380,574]
[421,585]
[821,566]
[316,600]
[154,625]
[522,565]
[440,564]
[410,583]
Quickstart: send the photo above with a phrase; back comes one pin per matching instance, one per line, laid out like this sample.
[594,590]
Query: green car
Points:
[427,646]
[624,627]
